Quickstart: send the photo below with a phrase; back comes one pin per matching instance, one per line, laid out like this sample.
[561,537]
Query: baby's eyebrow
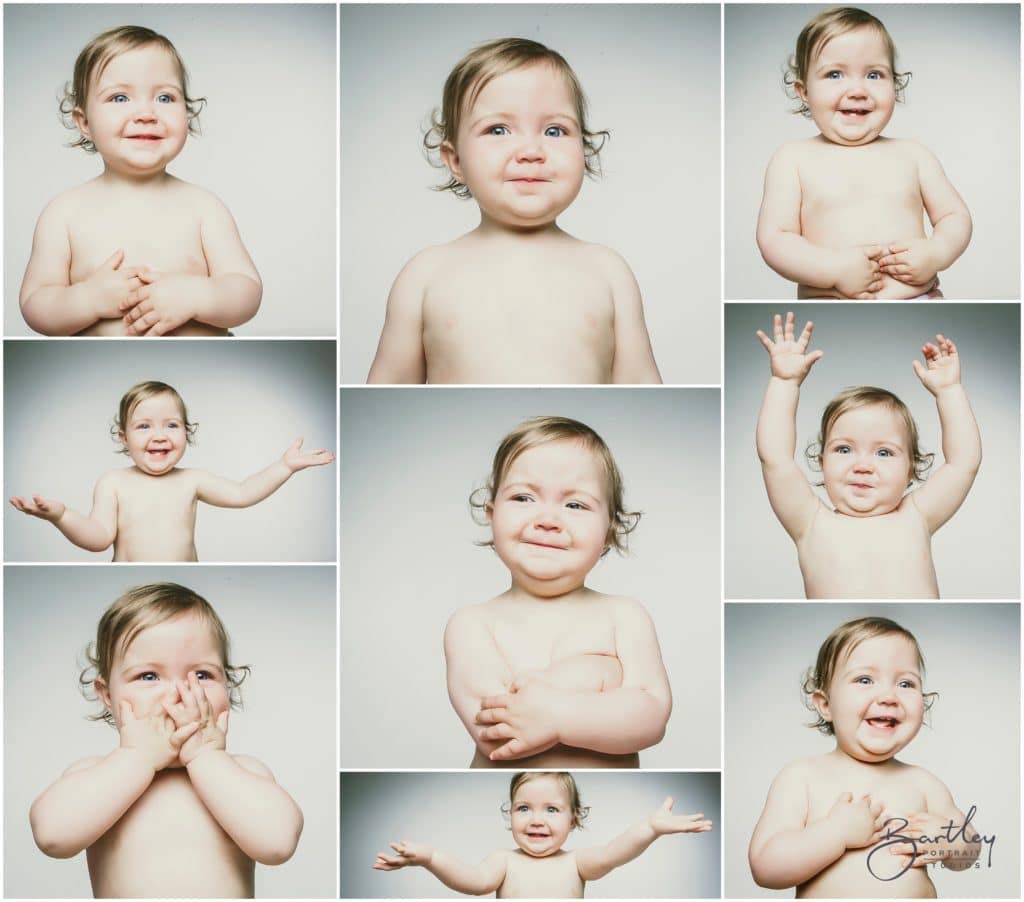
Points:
[569,117]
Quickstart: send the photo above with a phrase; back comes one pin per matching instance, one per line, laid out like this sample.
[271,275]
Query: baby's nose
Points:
[530,151]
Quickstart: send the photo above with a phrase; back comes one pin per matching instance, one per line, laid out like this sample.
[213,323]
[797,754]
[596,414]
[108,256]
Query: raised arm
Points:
[594,863]
[400,356]
[474,880]
[95,532]
[789,494]
[945,490]
[633,363]
[853,272]
[221,492]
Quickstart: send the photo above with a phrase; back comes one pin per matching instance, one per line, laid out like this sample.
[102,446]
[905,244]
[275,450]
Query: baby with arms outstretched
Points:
[551,673]
[857,823]
[513,135]
[543,808]
[148,511]
[875,539]
[843,212]
[169,813]
[135,251]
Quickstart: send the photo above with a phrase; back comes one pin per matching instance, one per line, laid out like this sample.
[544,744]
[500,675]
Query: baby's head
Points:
[868,451]
[152,426]
[512,131]
[138,72]
[543,808]
[844,75]
[867,688]
[150,637]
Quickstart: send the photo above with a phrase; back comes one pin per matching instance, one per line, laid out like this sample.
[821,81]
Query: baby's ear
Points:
[450,158]
[801,91]
[489,511]
[81,123]
[820,702]
[99,686]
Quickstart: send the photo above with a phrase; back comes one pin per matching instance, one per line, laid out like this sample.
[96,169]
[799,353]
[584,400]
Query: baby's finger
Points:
[777,328]
[181,734]
[498,731]
[515,748]
[790,320]
[495,701]
[766,342]
[222,722]
[491,715]
[124,709]
[159,328]
[805,336]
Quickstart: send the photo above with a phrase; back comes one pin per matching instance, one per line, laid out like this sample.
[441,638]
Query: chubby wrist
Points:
[135,757]
[208,752]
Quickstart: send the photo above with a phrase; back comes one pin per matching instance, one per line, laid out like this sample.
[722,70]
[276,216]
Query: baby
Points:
[169,812]
[135,251]
[153,428]
[833,825]
[859,234]
[513,135]
[551,673]
[544,808]
[875,539]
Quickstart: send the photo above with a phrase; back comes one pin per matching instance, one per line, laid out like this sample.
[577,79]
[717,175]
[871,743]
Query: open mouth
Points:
[537,836]
[855,113]
[883,723]
[158,452]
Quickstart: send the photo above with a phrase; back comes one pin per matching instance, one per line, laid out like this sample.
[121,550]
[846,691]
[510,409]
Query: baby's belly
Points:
[891,290]
[115,328]
[561,757]
[850,877]
[154,541]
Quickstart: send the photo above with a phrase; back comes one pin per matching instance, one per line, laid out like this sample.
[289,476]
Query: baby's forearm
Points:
[795,258]
[776,422]
[253,810]
[61,309]
[792,857]
[595,863]
[83,805]
[614,722]
[252,490]
[228,300]
[85,532]
[950,237]
[463,878]
[961,441]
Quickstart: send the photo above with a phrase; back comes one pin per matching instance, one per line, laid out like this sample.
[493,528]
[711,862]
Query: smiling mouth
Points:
[883,723]
[860,113]
[538,835]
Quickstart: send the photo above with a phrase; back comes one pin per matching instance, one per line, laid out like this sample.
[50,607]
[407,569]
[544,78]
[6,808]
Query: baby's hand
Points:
[860,822]
[911,262]
[407,853]
[39,507]
[526,718]
[163,303]
[156,737]
[194,708]
[789,357]
[295,459]
[114,286]
[859,274]
[917,854]
[664,821]
[943,365]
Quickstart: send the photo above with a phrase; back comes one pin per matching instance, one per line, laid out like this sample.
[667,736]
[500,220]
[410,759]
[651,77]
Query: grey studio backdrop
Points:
[972,658]
[461,814]
[977,553]
[267,148]
[251,400]
[963,104]
[409,460]
[281,623]
[649,73]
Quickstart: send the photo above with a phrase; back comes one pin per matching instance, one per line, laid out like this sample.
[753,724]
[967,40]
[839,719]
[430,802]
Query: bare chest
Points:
[554,877]
[171,498]
[536,642]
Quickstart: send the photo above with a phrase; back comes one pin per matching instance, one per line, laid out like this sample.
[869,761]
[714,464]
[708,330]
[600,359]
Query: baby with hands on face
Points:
[135,251]
[169,792]
[513,136]
[875,539]
[551,673]
[153,428]
[833,825]
[843,212]
[544,808]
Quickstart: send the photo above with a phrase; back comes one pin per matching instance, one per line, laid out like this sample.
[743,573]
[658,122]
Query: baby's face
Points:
[519,148]
[850,90]
[155,434]
[550,517]
[865,462]
[541,817]
[144,673]
[875,702]
[135,112]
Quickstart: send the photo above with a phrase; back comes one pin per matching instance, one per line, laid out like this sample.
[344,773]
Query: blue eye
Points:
[552,809]
[554,131]
[147,677]
[885,452]
[165,98]
[875,76]
[499,131]
[842,449]
[142,426]
[521,498]
[863,681]
[576,506]
[834,75]
[521,808]
[907,684]
[119,98]
[203,675]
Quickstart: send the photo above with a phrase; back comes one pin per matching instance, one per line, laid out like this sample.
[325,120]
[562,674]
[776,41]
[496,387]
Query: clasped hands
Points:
[526,717]
[911,262]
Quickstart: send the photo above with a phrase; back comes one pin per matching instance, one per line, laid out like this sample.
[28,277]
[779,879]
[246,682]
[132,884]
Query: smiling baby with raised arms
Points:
[516,300]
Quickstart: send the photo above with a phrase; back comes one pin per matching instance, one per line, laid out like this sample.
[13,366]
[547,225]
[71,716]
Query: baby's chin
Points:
[533,853]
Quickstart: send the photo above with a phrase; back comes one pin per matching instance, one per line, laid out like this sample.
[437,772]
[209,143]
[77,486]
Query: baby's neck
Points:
[116,179]
[850,759]
[494,231]
[537,594]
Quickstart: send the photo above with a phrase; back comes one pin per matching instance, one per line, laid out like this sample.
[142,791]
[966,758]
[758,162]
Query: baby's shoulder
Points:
[621,607]
[792,153]
[801,772]
[906,148]
[205,202]
[469,618]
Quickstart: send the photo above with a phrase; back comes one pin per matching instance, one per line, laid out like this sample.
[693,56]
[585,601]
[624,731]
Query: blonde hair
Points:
[96,56]
[540,431]
[565,781]
[138,609]
[864,396]
[818,32]
[475,71]
[138,393]
[838,647]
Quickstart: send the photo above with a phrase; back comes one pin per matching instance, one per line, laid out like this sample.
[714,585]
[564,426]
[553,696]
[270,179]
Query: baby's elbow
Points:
[275,850]
[49,837]
[765,875]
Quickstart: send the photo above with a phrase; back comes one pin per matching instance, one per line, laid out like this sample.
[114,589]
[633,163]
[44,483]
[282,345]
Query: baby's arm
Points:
[633,363]
[400,355]
[93,533]
[221,492]
[792,499]
[786,851]
[478,880]
[579,673]
[853,272]
[594,863]
[945,490]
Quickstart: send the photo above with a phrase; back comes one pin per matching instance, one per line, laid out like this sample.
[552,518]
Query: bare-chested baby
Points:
[543,809]
[135,251]
[148,511]
[833,826]
[170,793]
[551,673]
[513,135]
[875,539]
[843,212]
